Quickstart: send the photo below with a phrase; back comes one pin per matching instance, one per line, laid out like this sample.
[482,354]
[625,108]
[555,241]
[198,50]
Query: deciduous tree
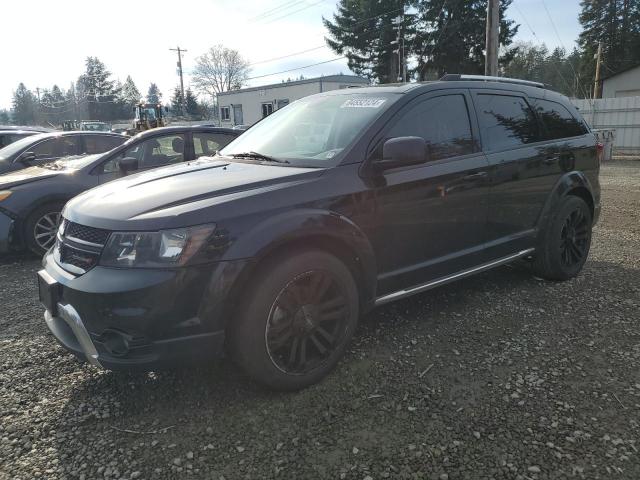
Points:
[218,70]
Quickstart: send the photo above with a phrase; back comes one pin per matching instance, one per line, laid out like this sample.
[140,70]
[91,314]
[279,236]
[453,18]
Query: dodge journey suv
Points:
[342,201]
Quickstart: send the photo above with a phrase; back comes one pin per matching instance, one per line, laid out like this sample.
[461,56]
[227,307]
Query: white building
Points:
[249,105]
[622,84]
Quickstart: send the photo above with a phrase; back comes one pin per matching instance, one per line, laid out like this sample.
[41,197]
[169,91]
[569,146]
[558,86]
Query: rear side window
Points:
[558,121]
[506,121]
[101,143]
[444,124]
[206,143]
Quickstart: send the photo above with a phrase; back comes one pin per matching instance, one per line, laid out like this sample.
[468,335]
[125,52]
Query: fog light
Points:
[116,343]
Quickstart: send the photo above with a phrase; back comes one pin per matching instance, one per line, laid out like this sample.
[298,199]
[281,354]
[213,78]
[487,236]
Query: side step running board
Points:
[456,276]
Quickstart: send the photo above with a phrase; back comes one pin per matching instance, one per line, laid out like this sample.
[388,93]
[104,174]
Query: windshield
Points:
[312,131]
[15,147]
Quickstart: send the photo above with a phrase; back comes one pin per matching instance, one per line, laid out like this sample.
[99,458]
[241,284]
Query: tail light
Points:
[600,151]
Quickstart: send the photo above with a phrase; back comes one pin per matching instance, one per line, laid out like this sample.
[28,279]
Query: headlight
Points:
[166,248]
[4,194]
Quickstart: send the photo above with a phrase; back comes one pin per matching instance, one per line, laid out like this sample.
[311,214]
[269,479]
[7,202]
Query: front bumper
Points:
[6,232]
[140,319]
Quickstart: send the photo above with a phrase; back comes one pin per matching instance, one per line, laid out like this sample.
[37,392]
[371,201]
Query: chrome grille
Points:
[78,258]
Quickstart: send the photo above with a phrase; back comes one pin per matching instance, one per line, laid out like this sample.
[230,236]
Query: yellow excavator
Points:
[148,116]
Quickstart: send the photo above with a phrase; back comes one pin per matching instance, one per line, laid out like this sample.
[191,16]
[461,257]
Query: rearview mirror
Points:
[402,152]
[128,164]
[27,157]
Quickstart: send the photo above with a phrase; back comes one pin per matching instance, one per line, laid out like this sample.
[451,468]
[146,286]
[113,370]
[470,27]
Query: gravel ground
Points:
[500,376]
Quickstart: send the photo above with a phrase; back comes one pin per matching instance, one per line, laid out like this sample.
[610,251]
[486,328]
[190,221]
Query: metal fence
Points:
[619,114]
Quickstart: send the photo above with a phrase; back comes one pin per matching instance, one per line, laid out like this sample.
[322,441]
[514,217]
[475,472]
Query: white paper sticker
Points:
[363,103]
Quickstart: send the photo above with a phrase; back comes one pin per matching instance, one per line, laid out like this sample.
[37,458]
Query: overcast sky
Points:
[45,42]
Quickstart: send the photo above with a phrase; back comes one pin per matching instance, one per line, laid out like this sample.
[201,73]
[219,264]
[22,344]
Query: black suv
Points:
[337,203]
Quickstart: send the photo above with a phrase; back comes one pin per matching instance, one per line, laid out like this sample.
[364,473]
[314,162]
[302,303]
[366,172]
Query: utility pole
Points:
[184,102]
[38,93]
[493,23]
[399,43]
[596,84]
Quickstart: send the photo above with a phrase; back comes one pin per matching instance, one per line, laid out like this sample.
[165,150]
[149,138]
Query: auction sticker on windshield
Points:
[363,103]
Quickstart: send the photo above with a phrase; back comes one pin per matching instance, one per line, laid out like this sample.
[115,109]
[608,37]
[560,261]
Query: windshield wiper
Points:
[259,156]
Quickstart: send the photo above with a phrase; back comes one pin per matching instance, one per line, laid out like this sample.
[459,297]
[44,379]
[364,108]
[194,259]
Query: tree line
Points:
[448,36]
[94,96]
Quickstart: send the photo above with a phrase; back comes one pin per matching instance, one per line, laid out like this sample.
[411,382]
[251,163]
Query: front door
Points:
[431,217]
[237,115]
[157,151]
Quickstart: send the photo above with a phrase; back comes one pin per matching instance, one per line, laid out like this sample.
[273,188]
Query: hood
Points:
[26,175]
[174,196]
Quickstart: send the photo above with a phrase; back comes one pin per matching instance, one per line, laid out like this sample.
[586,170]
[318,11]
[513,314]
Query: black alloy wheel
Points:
[307,321]
[565,242]
[295,319]
[574,238]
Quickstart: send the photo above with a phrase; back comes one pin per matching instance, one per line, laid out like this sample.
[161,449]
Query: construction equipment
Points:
[148,116]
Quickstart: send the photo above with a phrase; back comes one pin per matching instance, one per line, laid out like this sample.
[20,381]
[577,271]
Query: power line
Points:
[298,68]
[575,74]
[538,38]
[294,12]
[275,10]
[287,56]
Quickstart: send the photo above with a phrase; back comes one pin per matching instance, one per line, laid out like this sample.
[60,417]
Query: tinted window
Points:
[57,147]
[444,124]
[558,121]
[44,149]
[101,143]
[209,143]
[506,121]
[151,153]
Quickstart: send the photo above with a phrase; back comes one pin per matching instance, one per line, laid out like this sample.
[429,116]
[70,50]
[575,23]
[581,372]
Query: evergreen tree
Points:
[129,94]
[97,89]
[153,94]
[451,37]
[615,23]
[534,62]
[72,103]
[128,97]
[24,106]
[177,102]
[192,103]
[4,117]
[366,32]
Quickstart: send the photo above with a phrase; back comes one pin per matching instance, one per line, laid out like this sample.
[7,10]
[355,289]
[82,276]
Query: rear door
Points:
[101,143]
[208,143]
[523,169]
[567,133]
[431,217]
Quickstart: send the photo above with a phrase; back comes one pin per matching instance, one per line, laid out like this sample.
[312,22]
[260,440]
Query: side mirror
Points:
[128,164]
[402,151]
[27,157]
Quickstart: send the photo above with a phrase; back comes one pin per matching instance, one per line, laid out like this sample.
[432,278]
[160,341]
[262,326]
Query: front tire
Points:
[566,242]
[41,227]
[299,314]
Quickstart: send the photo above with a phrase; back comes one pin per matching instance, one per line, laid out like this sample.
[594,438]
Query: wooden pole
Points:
[492,44]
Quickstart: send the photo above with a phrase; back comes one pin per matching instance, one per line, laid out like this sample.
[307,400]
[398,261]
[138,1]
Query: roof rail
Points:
[481,78]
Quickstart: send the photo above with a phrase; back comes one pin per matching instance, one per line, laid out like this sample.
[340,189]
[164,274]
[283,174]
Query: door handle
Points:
[551,159]
[475,176]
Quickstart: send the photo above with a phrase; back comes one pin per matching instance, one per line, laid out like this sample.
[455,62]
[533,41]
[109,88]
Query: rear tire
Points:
[299,314]
[566,242]
[41,227]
